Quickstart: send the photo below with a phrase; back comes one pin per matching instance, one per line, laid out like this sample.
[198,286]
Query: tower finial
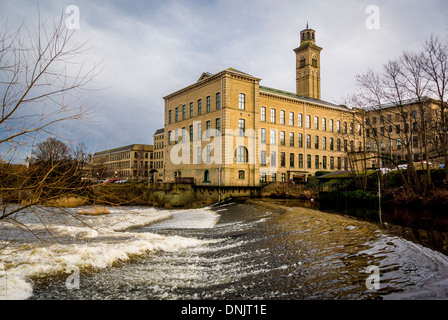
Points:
[307,24]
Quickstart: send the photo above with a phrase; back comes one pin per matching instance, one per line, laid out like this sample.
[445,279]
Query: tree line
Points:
[403,112]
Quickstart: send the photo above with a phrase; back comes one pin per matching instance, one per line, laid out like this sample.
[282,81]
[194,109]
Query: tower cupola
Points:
[307,35]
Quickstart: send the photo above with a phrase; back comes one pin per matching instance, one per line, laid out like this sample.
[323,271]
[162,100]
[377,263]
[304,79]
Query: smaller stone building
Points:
[131,162]
[159,157]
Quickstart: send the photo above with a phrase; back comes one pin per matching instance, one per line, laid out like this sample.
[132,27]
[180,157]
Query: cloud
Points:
[149,49]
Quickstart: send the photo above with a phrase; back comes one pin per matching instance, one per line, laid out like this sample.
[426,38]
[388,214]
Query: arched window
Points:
[302,62]
[241,155]
[308,35]
[206,176]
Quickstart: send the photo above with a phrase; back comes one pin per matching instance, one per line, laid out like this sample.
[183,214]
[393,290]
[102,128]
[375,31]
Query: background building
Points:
[159,158]
[397,133]
[133,162]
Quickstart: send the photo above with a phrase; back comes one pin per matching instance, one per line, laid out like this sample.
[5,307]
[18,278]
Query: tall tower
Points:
[308,65]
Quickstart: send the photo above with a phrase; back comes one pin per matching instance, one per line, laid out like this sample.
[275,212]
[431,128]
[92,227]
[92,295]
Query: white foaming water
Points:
[85,241]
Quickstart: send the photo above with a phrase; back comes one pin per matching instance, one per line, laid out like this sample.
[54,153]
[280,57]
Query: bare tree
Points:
[435,67]
[44,75]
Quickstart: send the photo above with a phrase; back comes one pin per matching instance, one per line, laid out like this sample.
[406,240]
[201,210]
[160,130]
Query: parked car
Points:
[442,166]
[112,180]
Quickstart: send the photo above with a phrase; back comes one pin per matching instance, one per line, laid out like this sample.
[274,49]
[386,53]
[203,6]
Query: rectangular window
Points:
[176,116]
[241,127]
[208,103]
[218,126]
[282,116]
[241,174]
[191,133]
[345,127]
[324,143]
[273,159]
[183,134]
[351,127]
[332,163]
[324,124]
[331,125]
[208,153]
[300,140]
[291,160]
[169,137]
[263,114]
[316,123]
[308,141]
[169,116]
[272,115]
[300,120]
[308,121]
[338,126]
[282,138]
[283,177]
[273,177]
[263,157]
[207,129]
[218,101]
[339,163]
[308,161]
[199,155]
[291,139]
[316,142]
[191,110]
[415,141]
[242,101]
[184,112]
[273,137]
[282,159]
[338,146]
[199,107]
[263,135]
[199,131]
[291,118]
[300,160]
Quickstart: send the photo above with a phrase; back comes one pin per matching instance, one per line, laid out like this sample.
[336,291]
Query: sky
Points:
[149,49]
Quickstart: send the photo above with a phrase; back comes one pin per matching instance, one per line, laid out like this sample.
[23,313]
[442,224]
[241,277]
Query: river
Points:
[232,250]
